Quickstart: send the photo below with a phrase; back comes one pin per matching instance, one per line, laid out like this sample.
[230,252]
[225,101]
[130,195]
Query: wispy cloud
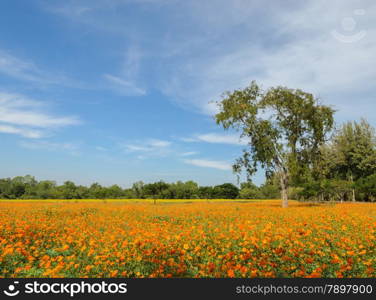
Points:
[123,86]
[72,11]
[214,138]
[20,69]
[23,116]
[100,148]
[215,164]
[25,132]
[26,70]
[149,148]
[221,139]
[127,82]
[70,148]
[188,139]
[189,153]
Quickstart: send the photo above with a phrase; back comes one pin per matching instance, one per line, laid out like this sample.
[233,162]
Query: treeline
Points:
[346,170]
[334,189]
[27,187]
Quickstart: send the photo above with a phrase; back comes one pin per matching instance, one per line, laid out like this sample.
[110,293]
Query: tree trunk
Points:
[284,195]
[353,190]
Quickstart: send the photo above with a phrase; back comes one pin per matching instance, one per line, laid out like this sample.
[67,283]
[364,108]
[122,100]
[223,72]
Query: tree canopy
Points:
[284,129]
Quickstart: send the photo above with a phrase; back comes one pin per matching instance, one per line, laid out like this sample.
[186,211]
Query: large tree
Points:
[284,129]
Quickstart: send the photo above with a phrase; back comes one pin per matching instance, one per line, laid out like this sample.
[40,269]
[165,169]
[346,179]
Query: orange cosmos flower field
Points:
[174,239]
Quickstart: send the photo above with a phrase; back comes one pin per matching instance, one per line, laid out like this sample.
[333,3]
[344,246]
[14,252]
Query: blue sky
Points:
[116,91]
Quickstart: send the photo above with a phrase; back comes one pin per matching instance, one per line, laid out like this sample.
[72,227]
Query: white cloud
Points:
[220,165]
[28,133]
[221,139]
[150,147]
[123,86]
[189,153]
[214,138]
[188,139]
[136,148]
[27,70]
[126,82]
[20,69]
[132,61]
[100,148]
[159,144]
[70,148]
[21,115]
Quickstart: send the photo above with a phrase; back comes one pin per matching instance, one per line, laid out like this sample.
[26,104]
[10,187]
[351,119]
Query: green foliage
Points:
[353,151]
[349,157]
[155,190]
[248,193]
[366,188]
[205,192]
[225,191]
[270,190]
[28,188]
[182,190]
[294,192]
[137,189]
[327,190]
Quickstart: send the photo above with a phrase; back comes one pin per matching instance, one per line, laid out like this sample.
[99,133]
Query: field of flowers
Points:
[172,239]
